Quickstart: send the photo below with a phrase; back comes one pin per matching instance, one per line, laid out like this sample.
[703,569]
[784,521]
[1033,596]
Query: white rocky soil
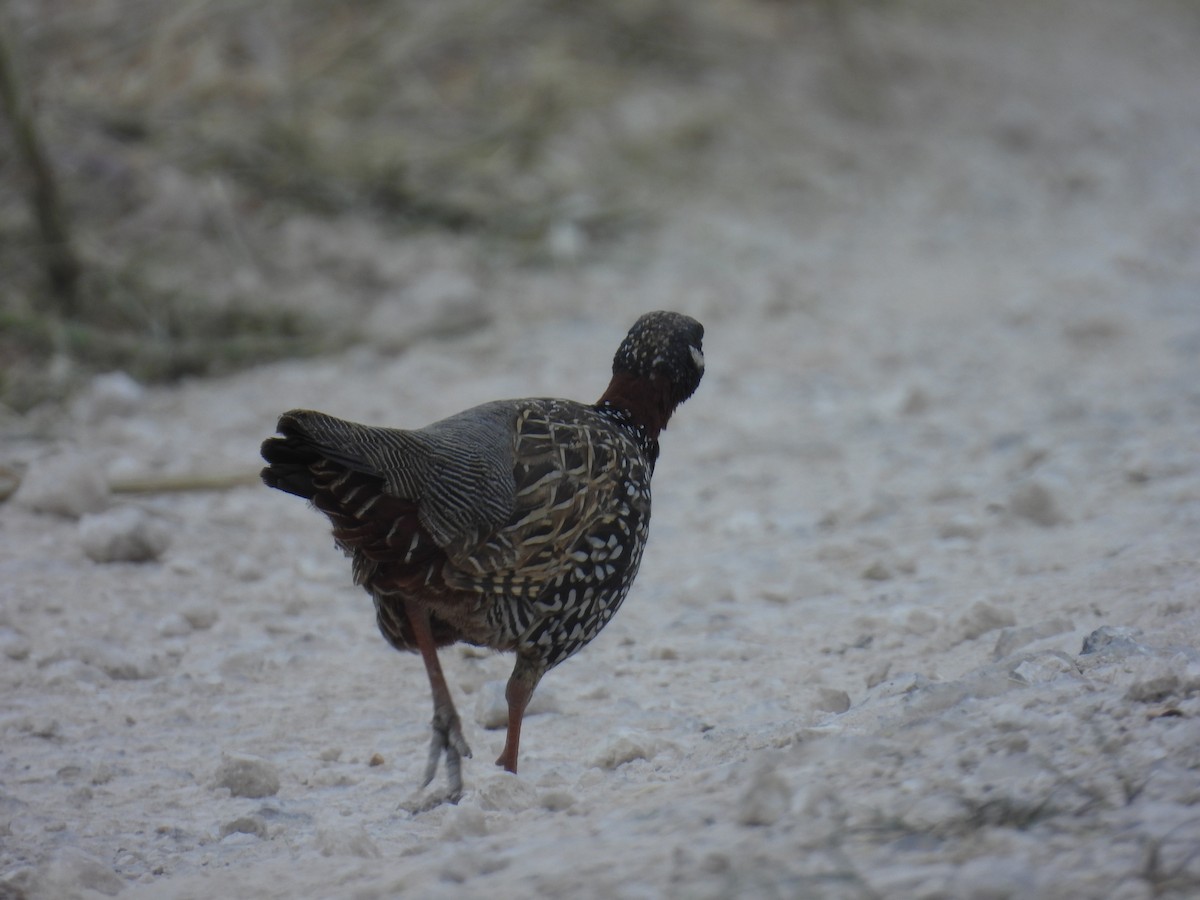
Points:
[920,612]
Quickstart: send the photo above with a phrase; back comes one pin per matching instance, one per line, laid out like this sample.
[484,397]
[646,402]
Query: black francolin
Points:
[517,525]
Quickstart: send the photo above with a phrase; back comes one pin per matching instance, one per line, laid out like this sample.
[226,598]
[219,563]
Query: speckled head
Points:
[664,347]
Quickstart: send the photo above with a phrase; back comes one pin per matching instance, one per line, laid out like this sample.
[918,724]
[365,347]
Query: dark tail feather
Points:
[290,458]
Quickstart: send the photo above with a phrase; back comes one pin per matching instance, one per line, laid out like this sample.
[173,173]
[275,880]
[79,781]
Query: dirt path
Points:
[949,430]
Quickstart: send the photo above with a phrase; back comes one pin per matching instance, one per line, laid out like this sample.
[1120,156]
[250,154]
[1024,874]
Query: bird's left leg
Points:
[525,677]
[447,729]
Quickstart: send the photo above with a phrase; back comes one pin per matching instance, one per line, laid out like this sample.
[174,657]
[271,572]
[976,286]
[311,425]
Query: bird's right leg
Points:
[447,729]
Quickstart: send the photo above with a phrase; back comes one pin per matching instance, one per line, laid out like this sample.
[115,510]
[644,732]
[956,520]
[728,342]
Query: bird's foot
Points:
[447,739]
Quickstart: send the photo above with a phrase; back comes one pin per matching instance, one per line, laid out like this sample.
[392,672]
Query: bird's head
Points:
[657,367]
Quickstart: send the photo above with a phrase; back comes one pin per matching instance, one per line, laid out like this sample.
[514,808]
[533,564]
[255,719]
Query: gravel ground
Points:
[918,617]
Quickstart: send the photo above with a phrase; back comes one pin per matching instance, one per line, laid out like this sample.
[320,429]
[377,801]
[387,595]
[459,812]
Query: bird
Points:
[515,525]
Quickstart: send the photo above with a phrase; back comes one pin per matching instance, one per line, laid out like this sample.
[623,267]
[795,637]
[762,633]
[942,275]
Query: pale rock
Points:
[1034,501]
[124,534]
[173,625]
[1113,642]
[556,800]
[1042,667]
[67,484]
[252,825]
[14,645]
[832,700]
[877,571]
[1013,639]
[201,616]
[960,527]
[767,799]
[982,617]
[247,776]
[622,746]
[921,622]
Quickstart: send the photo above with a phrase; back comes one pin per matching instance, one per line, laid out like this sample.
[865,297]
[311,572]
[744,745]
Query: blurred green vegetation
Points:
[492,121]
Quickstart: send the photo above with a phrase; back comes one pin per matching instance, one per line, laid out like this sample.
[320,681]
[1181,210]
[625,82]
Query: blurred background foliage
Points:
[193,141]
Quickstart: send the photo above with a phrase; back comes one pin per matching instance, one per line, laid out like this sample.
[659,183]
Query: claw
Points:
[447,739]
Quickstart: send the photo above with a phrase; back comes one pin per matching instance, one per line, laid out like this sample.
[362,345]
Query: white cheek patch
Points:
[697,358]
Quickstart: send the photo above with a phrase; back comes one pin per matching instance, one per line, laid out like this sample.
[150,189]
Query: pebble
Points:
[173,625]
[982,617]
[247,776]
[245,825]
[832,700]
[1115,640]
[622,746]
[200,616]
[1012,639]
[67,484]
[767,800]
[1041,667]
[1035,502]
[14,645]
[124,534]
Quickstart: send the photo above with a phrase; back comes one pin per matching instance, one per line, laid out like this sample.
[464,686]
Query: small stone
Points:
[766,801]
[125,534]
[1043,667]
[982,617]
[1013,639]
[624,745]
[245,825]
[174,625]
[832,700]
[67,484]
[556,800]
[247,776]
[878,674]
[960,528]
[1033,501]
[877,571]
[376,760]
[200,616]
[920,621]
[330,754]
[13,645]
[1119,638]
